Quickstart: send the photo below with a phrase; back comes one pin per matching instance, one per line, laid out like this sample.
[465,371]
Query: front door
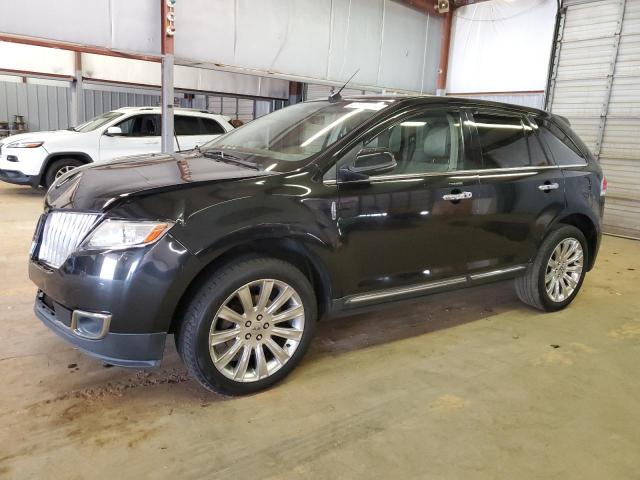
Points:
[140,135]
[520,191]
[411,225]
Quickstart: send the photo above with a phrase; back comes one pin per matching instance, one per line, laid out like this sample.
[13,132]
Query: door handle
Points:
[548,187]
[457,196]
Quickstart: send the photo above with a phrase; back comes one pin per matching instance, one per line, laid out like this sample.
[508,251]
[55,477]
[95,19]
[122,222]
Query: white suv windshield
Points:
[300,131]
[97,122]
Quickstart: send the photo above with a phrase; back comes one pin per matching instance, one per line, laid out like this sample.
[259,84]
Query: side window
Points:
[185,125]
[504,140]
[561,148]
[140,126]
[209,126]
[423,143]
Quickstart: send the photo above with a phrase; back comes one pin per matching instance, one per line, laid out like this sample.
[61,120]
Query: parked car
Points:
[38,158]
[320,209]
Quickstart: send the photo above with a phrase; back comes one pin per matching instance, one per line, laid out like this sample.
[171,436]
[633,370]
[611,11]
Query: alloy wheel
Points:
[564,269]
[64,169]
[256,330]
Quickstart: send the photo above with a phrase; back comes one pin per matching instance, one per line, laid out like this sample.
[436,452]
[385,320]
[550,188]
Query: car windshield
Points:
[97,122]
[297,132]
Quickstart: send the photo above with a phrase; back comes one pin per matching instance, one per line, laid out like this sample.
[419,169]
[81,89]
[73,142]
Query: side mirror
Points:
[369,161]
[113,132]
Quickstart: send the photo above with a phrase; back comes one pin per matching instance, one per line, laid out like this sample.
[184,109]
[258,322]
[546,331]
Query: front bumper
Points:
[139,288]
[122,349]
[19,178]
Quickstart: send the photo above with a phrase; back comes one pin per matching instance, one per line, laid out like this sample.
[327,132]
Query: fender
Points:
[53,156]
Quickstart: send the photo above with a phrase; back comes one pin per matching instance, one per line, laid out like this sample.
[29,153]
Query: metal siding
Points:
[229,107]
[245,110]
[315,91]
[597,86]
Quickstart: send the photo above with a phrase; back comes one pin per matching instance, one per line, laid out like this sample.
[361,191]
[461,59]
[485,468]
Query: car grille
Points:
[61,235]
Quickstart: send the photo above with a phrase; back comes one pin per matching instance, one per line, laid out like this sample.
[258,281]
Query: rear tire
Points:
[554,278]
[233,337]
[58,168]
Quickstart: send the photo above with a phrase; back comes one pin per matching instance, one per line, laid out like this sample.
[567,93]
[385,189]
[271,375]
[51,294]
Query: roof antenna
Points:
[335,97]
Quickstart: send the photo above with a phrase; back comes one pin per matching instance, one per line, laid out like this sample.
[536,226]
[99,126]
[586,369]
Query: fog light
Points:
[90,325]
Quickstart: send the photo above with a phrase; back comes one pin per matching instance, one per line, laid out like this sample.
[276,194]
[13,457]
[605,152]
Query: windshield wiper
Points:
[227,158]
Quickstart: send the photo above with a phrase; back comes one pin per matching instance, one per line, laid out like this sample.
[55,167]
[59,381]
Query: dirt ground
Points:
[463,385]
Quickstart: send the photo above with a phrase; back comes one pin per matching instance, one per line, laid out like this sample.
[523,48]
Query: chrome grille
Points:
[61,235]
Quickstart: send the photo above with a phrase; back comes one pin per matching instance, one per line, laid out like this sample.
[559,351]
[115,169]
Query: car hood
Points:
[39,136]
[96,187]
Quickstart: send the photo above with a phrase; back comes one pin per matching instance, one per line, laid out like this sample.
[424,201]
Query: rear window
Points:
[188,125]
[211,127]
[507,141]
[560,146]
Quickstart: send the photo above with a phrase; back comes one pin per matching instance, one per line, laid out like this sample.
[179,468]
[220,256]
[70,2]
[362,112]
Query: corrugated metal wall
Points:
[595,82]
[45,106]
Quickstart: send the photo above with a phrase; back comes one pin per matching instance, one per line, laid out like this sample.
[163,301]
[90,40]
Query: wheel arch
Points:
[588,228]
[52,157]
[286,249]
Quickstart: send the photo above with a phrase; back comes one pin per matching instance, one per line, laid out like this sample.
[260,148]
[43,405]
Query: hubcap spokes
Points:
[61,171]
[564,269]
[256,330]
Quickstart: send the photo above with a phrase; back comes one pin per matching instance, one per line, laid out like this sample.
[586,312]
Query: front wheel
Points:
[59,168]
[248,326]
[556,275]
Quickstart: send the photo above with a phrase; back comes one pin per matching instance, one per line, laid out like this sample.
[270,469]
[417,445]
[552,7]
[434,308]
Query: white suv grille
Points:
[61,235]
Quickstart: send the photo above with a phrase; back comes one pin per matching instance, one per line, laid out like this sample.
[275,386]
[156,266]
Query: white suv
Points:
[38,158]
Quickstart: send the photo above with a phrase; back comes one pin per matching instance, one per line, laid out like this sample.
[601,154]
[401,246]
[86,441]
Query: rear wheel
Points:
[248,326]
[59,168]
[556,275]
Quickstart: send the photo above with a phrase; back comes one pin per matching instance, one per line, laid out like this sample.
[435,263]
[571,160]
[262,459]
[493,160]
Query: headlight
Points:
[25,144]
[115,234]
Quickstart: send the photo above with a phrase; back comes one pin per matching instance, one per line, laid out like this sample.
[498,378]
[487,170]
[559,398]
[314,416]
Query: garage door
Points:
[595,83]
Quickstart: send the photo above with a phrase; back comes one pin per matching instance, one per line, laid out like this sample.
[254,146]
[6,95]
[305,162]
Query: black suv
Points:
[322,208]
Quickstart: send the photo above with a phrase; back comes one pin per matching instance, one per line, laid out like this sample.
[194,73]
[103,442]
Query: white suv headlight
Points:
[24,144]
[116,234]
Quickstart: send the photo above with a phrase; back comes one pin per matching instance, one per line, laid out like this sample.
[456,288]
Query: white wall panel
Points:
[127,25]
[501,46]
[189,78]
[321,40]
[324,40]
[15,56]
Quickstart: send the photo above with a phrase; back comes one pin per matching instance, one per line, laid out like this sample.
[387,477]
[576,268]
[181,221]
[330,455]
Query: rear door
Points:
[140,135]
[404,227]
[521,191]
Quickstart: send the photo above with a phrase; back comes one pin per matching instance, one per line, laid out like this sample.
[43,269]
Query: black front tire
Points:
[193,334]
[530,287]
[57,166]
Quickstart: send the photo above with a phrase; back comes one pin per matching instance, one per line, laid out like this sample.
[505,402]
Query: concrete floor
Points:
[464,385]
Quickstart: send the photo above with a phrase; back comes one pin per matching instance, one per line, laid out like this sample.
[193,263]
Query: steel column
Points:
[166,93]
[75,101]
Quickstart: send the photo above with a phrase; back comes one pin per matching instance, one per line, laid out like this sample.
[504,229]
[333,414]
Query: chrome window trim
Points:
[463,173]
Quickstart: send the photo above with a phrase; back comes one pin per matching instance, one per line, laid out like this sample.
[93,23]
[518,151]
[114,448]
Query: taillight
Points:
[603,187]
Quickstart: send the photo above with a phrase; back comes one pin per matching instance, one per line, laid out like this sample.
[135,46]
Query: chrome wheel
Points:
[256,330]
[564,270]
[62,170]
